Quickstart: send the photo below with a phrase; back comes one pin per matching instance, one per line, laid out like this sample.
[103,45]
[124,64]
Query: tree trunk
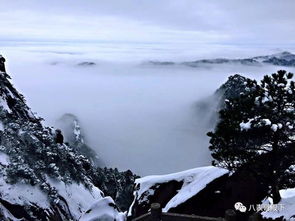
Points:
[275,180]
[276,194]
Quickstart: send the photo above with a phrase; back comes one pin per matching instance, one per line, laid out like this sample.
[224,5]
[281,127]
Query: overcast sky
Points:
[186,21]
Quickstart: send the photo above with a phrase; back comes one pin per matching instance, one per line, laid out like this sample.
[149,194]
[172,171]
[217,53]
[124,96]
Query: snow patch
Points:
[79,198]
[23,194]
[266,99]
[4,105]
[4,159]
[246,126]
[274,127]
[1,126]
[77,131]
[265,148]
[266,122]
[103,210]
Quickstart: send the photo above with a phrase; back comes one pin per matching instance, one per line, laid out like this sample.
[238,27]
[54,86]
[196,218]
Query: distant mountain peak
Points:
[284,58]
[285,53]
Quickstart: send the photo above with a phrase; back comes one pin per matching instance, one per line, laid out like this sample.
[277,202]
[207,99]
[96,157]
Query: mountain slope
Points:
[39,179]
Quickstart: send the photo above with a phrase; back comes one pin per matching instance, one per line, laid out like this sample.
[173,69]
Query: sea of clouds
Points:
[136,116]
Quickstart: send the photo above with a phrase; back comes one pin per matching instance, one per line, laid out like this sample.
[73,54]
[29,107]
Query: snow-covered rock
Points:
[204,191]
[285,208]
[103,210]
[193,181]
[174,189]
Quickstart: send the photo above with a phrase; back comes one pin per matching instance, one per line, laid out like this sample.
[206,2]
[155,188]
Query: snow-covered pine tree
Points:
[256,132]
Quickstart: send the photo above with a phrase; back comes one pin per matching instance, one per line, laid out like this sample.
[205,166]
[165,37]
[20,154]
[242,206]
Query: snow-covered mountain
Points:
[43,180]
[280,59]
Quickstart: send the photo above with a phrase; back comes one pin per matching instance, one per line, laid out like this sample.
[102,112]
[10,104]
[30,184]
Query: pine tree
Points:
[256,132]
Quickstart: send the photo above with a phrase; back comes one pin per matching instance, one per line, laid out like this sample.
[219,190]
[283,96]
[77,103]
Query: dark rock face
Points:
[163,193]
[2,65]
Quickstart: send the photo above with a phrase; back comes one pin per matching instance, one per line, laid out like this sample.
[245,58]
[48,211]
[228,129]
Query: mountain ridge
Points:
[284,58]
